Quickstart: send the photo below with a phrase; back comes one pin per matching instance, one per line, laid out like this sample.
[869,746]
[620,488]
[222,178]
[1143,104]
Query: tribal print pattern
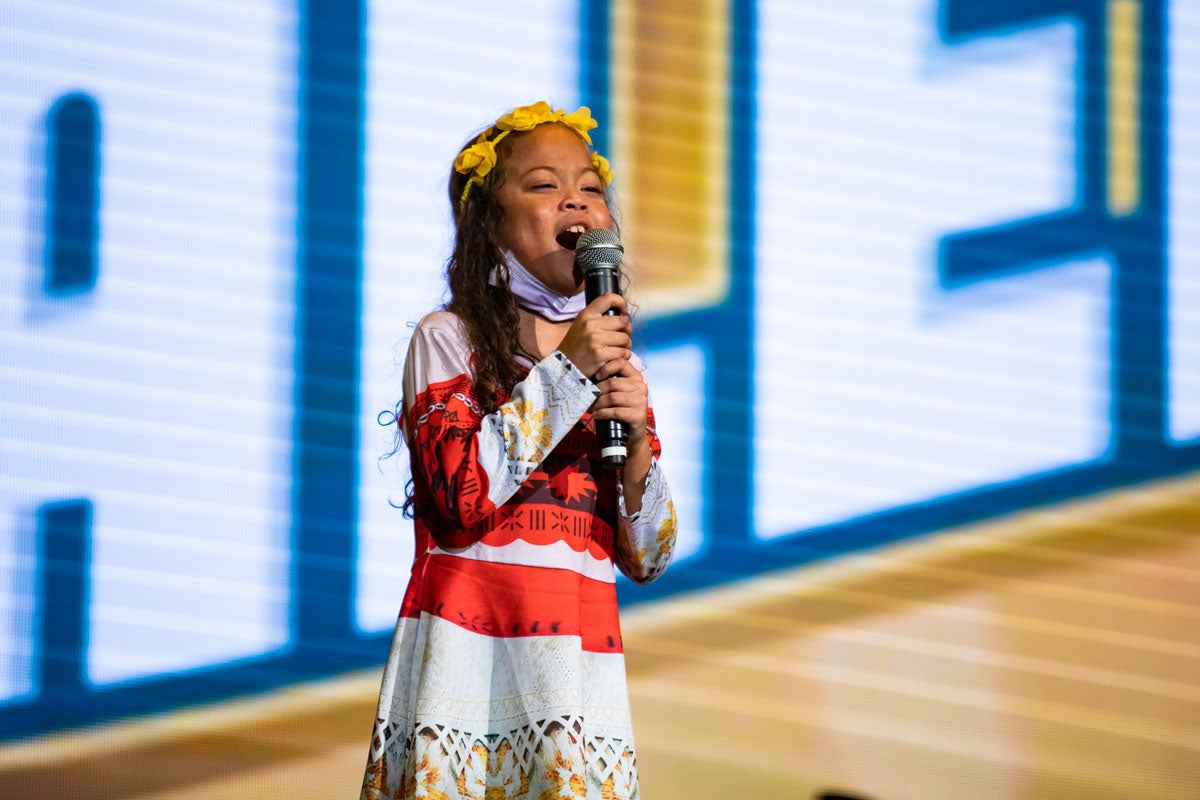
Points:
[544,761]
[506,677]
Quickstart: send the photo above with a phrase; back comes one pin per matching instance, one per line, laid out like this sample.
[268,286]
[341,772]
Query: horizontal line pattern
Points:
[1050,654]
[163,396]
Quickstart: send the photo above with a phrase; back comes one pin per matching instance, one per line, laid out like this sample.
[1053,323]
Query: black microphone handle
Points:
[601,280]
[613,434]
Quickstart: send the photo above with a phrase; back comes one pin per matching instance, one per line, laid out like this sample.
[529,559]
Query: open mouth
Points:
[570,236]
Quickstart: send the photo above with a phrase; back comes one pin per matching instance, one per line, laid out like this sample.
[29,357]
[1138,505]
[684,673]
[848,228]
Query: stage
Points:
[1053,653]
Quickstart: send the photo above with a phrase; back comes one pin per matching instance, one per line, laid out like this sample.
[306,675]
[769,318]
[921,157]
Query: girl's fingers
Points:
[594,340]
[620,385]
[603,303]
[619,366]
[623,392]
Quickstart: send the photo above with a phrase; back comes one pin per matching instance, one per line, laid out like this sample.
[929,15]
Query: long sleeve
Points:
[507,650]
[645,541]
[472,463]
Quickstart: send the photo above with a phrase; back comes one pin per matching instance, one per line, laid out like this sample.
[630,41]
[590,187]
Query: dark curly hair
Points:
[488,312]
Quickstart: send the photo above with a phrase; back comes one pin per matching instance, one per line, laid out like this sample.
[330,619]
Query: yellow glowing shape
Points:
[670,110]
[1124,131]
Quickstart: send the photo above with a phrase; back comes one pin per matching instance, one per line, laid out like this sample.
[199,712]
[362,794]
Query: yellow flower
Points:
[621,784]
[581,122]
[532,429]
[479,158]
[600,164]
[535,427]
[567,782]
[472,773]
[666,531]
[422,782]
[375,785]
[509,779]
[526,118]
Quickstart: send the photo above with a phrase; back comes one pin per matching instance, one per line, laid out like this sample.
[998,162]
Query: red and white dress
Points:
[506,679]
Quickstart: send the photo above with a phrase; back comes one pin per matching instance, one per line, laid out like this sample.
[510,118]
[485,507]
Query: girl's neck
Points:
[541,336]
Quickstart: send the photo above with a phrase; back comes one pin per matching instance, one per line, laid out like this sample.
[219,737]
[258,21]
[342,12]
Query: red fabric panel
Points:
[445,420]
[507,600]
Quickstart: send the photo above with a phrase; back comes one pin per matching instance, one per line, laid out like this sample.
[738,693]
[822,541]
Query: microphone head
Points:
[598,247]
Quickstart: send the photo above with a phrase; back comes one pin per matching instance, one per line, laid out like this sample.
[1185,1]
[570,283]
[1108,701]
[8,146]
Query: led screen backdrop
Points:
[897,265]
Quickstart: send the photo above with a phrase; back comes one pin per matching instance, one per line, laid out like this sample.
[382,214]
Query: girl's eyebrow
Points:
[540,166]
[549,168]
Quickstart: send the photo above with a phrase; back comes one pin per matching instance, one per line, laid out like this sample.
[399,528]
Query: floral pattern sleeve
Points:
[646,540]
[472,463]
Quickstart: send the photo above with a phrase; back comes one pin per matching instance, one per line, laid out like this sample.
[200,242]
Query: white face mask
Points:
[535,296]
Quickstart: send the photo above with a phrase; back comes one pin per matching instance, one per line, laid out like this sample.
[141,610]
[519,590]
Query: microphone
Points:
[598,255]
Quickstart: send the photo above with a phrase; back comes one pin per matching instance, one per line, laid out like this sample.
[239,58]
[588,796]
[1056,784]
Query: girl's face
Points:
[550,196]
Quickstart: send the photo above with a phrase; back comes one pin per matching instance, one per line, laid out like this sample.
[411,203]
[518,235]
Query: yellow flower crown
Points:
[479,158]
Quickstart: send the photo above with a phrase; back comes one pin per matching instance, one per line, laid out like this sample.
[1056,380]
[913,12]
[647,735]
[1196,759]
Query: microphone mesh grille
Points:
[598,246]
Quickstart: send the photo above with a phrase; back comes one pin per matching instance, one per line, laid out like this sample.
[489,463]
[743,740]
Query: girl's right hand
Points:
[594,339]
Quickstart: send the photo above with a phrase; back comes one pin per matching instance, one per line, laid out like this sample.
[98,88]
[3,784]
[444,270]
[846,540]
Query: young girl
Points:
[506,677]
